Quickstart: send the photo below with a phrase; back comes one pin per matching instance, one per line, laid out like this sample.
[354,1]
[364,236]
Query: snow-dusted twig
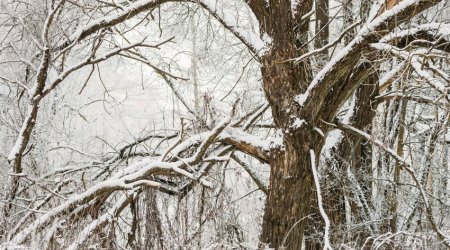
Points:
[327,46]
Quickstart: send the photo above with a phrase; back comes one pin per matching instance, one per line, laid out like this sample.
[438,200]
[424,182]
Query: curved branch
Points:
[339,66]
[130,178]
[247,143]
[109,21]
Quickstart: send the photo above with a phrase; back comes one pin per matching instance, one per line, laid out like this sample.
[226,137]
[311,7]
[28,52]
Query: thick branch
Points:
[315,97]
[258,8]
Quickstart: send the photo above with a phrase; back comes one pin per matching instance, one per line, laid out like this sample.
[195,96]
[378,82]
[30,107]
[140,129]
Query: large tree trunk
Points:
[291,183]
[291,194]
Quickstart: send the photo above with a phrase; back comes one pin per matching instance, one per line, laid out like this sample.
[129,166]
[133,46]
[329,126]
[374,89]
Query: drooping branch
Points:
[138,174]
[324,215]
[134,176]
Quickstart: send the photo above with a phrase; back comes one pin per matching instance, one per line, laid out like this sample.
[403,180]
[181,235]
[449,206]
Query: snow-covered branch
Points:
[253,42]
[414,58]
[328,78]
[130,178]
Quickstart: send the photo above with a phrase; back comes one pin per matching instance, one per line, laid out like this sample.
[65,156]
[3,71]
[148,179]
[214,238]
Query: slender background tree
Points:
[341,105]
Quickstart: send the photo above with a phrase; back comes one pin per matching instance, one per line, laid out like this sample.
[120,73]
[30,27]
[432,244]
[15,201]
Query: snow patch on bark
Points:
[294,4]
[333,138]
[297,123]
[277,140]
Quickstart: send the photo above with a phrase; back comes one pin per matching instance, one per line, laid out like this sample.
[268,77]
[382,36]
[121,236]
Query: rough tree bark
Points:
[291,181]
[291,192]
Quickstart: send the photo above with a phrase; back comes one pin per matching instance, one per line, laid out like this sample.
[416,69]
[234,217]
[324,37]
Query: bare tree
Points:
[309,79]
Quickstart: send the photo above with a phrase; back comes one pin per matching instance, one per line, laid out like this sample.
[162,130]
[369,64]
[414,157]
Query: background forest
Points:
[213,124]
